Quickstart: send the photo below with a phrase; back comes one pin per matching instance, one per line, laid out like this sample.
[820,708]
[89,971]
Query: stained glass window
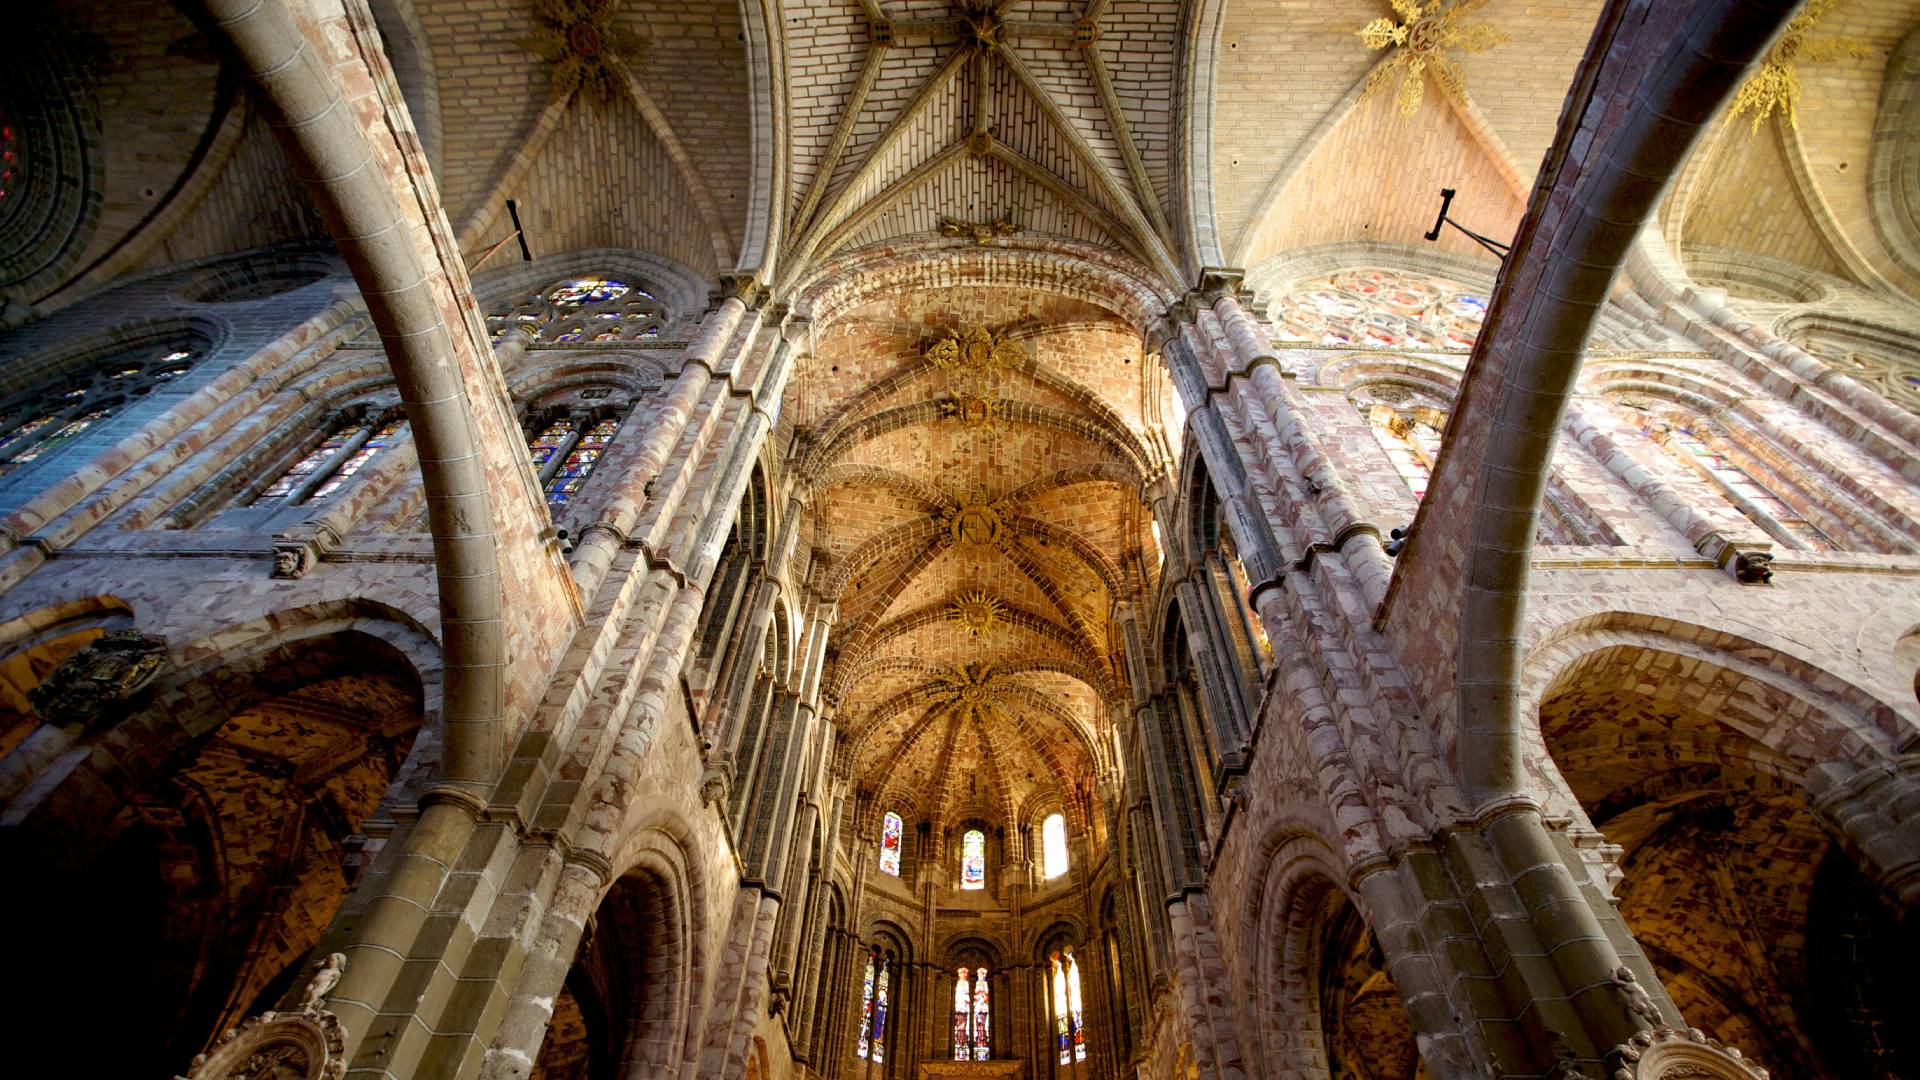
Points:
[973,860]
[982,1017]
[972,1015]
[304,469]
[1411,443]
[962,1016]
[370,449]
[890,827]
[1053,846]
[1693,446]
[36,422]
[573,472]
[880,1015]
[1381,309]
[866,1010]
[551,440]
[582,310]
[1069,1026]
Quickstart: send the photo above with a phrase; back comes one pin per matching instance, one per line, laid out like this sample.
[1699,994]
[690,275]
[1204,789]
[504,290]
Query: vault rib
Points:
[1109,184]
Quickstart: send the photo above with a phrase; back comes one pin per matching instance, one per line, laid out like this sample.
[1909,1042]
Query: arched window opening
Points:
[568,437]
[1063,998]
[972,1014]
[1411,438]
[588,309]
[355,439]
[873,1009]
[973,860]
[890,829]
[1690,442]
[1053,846]
[39,421]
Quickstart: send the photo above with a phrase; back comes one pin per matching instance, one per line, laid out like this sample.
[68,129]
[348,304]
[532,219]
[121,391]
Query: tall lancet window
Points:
[973,860]
[1053,846]
[1689,441]
[1412,442]
[580,461]
[1069,1025]
[568,436]
[982,1017]
[890,827]
[873,1010]
[972,1015]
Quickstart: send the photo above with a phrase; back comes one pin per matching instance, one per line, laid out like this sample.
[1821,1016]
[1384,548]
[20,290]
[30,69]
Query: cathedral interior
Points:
[892,539]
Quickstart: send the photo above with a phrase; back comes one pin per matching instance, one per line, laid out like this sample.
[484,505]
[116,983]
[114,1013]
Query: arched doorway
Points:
[622,1012]
[206,842]
[1762,931]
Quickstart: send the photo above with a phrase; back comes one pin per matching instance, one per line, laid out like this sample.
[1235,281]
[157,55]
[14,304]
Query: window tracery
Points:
[973,860]
[1381,309]
[587,309]
[1053,846]
[890,829]
[38,421]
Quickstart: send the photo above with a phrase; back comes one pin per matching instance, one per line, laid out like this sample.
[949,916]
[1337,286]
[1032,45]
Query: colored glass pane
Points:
[890,827]
[1742,483]
[962,1016]
[866,1011]
[973,860]
[580,461]
[1053,846]
[1062,1022]
[1411,445]
[549,441]
[370,449]
[880,1016]
[61,434]
[587,291]
[1073,1005]
[982,1048]
[305,467]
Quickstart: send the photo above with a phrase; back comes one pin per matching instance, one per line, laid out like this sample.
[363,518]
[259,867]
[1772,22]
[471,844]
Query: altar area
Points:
[1005,1069]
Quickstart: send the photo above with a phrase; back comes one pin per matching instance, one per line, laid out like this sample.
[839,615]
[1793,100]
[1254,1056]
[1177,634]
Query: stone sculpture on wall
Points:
[94,681]
[308,1044]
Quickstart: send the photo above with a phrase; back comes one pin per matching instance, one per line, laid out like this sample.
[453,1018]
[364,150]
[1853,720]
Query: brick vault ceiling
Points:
[977,558]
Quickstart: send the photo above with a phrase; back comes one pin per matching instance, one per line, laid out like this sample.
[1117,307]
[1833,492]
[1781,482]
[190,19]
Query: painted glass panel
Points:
[1062,1022]
[1073,1005]
[982,1048]
[880,1016]
[1053,846]
[1742,483]
[549,441]
[973,860]
[866,1011]
[890,827]
[962,1015]
[300,470]
[573,473]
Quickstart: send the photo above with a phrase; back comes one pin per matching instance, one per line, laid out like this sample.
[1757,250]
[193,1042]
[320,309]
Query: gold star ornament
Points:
[1420,41]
